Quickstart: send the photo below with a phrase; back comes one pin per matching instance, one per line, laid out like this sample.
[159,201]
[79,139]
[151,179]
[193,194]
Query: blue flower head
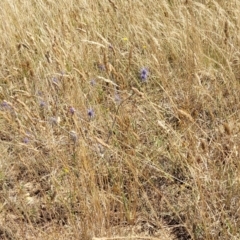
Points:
[101,67]
[90,113]
[4,106]
[72,110]
[144,74]
[25,140]
[42,104]
[93,82]
[55,80]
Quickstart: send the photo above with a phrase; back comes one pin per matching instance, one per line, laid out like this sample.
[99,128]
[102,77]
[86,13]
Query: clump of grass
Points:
[96,146]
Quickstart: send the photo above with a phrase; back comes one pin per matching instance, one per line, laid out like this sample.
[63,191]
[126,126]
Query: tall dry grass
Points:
[89,150]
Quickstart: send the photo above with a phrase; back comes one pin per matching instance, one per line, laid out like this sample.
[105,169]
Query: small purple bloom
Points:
[7,107]
[25,140]
[39,93]
[42,104]
[144,74]
[4,105]
[101,67]
[90,113]
[72,110]
[93,82]
[55,80]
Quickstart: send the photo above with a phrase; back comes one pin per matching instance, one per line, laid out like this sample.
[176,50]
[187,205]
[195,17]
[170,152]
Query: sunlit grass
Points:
[119,120]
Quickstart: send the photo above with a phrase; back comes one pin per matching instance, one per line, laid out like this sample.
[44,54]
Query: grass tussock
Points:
[119,119]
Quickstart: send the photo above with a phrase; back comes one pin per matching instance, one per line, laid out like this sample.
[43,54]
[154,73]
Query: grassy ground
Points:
[120,119]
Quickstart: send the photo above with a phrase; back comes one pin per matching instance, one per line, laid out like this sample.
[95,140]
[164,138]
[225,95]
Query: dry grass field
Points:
[120,119]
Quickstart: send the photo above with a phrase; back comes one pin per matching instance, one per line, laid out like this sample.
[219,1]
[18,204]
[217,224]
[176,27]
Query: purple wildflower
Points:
[144,74]
[5,106]
[90,113]
[55,80]
[39,93]
[101,67]
[26,140]
[42,104]
[93,82]
[72,110]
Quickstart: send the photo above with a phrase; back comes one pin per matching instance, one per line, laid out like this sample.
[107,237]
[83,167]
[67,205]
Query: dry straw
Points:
[119,119]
